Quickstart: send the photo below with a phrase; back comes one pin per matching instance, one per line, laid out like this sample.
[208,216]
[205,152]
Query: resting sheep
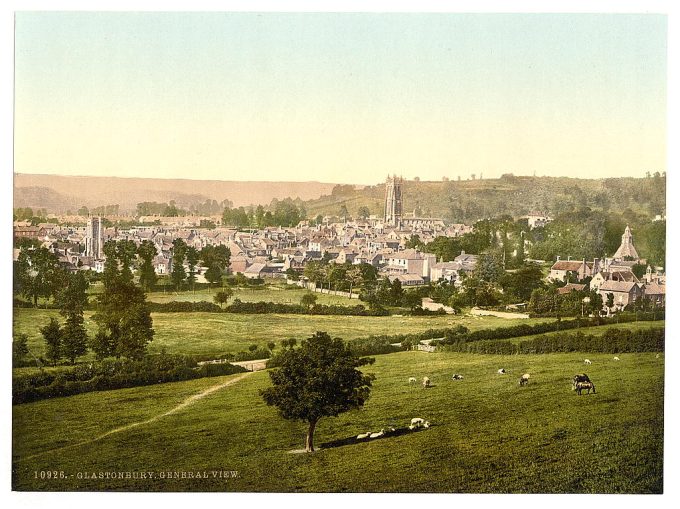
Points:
[457,377]
[587,361]
[501,371]
[412,380]
[585,386]
[377,435]
[616,359]
[426,382]
[524,379]
[364,436]
[418,423]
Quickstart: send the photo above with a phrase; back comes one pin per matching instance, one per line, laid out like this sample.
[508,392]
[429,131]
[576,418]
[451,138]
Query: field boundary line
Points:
[181,406]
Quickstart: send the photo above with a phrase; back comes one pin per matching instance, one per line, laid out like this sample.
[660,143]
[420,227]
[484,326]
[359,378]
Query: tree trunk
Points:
[309,442]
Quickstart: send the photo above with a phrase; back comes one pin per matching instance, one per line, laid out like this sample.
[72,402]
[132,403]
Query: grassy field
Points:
[488,434]
[598,331]
[219,333]
[277,294]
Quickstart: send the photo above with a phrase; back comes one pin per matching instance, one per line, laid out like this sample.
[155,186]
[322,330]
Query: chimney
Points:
[558,258]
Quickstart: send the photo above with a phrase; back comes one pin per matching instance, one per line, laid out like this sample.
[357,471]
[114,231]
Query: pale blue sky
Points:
[339,97]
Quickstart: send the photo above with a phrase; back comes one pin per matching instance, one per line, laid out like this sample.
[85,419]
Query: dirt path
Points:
[187,402]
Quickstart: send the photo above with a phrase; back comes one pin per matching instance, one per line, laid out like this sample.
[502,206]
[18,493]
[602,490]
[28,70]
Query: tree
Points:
[489,268]
[522,282]
[223,296]
[192,261]
[72,300]
[37,273]
[308,299]
[343,212]
[355,277]
[411,300]
[178,274]
[19,348]
[123,316]
[147,275]
[52,335]
[271,345]
[364,212]
[319,379]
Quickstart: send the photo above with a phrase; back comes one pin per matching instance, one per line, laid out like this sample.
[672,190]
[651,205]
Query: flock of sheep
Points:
[416,423]
[580,383]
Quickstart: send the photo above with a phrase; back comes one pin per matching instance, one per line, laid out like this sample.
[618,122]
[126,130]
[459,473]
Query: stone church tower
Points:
[393,205]
[626,249]
[94,238]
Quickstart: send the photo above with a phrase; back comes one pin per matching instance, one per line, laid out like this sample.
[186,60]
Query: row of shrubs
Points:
[113,374]
[264,307]
[612,341]
[461,333]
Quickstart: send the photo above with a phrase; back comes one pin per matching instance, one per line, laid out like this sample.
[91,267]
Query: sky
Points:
[339,97]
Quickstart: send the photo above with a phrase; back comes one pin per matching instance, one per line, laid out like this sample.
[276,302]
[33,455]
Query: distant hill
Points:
[470,200]
[61,193]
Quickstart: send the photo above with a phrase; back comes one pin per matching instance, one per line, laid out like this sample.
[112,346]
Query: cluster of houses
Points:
[614,276]
[271,252]
[274,252]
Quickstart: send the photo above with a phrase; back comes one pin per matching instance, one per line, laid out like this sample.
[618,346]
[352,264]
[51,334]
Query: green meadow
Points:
[214,334]
[488,434]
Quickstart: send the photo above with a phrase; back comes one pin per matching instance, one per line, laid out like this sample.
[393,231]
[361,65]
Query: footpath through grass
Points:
[488,434]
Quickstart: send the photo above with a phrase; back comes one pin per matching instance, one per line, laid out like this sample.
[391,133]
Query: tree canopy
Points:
[319,379]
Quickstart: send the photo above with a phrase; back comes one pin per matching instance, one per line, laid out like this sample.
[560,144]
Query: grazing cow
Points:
[412,380]
[426,382]
[501,371]
[524,379]
[581,377]
[587,361]
[457,377]
[585,386]
[616,359]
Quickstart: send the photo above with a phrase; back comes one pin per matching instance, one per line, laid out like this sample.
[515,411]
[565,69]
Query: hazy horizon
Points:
[339,98]
[380,181]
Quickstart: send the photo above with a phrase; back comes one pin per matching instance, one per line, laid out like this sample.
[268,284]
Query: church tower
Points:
[94,238]
[626,249]
[393,205]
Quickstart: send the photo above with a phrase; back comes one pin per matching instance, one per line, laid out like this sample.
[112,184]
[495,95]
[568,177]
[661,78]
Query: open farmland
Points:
[213,334]
[488,434]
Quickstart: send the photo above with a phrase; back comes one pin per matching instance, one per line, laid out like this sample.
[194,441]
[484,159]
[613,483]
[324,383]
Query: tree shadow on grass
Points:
[353,440]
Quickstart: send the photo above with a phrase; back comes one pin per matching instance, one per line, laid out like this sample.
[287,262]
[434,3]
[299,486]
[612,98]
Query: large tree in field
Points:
[72,299]
[192,261]
[179,251]
[37,273]
[147,275]
[319,379]
[52,335]
[125,325]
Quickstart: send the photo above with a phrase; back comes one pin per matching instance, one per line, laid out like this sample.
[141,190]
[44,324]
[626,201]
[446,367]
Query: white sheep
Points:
[658,355]
[587,361]
[364,436]
[501,371]
[417,421]
[426,382]
[616,359]
[412,380]
[524,379]
[377,435]
[426,424]
[457,377]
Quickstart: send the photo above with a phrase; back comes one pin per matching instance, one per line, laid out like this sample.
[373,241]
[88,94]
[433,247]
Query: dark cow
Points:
[581,377]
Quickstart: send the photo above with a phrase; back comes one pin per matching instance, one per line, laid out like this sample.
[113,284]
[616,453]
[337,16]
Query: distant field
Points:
[488,434]
[219,333]
[598,331]
[276,294]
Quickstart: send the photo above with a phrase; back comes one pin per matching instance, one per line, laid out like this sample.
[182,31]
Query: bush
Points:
[113,374]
